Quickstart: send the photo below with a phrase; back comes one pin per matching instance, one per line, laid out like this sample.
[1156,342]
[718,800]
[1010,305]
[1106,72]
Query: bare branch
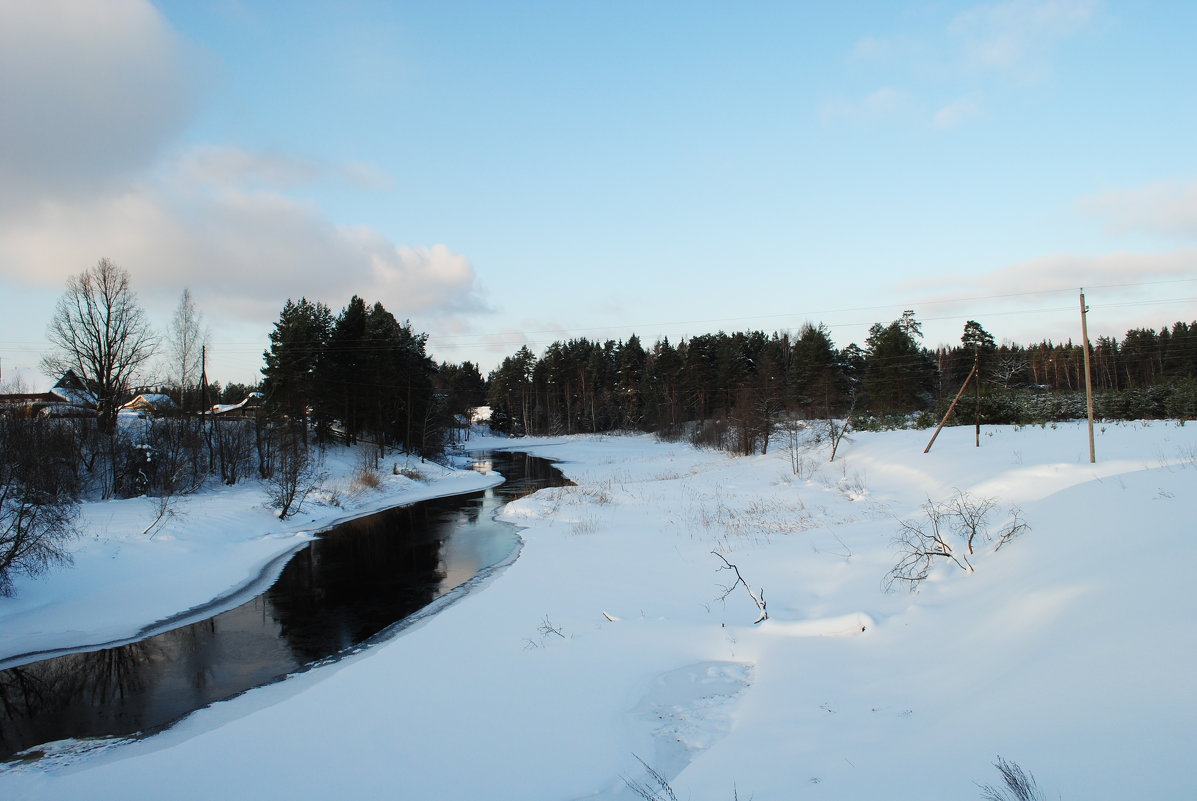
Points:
[757,598]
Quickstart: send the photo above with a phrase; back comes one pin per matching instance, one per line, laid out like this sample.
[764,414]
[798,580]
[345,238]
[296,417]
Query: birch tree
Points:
[187,337]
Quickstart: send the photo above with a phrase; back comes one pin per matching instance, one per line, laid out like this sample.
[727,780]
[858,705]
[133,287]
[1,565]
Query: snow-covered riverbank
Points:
[1068,651]
[211,551]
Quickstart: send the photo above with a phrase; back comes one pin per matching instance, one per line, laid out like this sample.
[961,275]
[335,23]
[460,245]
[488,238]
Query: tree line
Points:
[731,389]
[363,375]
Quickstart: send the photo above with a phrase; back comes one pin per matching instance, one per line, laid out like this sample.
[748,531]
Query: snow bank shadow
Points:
[686,711]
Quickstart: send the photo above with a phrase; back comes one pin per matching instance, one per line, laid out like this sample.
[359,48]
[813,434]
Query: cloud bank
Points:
[1165,207]
[96,98]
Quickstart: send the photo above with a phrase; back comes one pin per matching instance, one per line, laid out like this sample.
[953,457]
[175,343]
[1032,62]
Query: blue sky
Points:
[508,173]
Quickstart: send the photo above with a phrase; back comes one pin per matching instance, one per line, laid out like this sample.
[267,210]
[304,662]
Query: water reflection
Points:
[349,585]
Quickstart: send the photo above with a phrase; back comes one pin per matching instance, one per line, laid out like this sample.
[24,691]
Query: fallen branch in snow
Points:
[164,504]
[547,628]
[757,598]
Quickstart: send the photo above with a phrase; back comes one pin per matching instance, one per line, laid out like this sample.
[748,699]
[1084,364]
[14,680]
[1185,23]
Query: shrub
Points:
[37,498]
[952,531]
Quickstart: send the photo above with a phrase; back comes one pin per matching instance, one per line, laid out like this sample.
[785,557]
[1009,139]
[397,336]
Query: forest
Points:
[733,390]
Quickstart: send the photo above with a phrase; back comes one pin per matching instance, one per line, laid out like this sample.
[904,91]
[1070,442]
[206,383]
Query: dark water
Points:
[352,583]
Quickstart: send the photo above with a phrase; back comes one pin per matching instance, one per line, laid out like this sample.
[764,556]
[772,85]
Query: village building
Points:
[246,408]
[152,404]
[69,397]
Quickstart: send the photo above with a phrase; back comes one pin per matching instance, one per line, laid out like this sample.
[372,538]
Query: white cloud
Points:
[882,104]
[93,96]
[228,165]
[1039,298]
[90,91]
[1016,39]
[956,113]
[244,252]
[1018,35]
[1061,271]
[1164,207]
[234,166]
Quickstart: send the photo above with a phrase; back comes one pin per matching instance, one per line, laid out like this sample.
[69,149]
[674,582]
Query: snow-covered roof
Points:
[153,400]
[72,389]
[75,397]
[65,410]
[252,400]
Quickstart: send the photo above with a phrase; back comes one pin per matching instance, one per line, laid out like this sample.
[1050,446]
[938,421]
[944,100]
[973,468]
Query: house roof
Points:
[73,390]
[152,400]
[252,400]
[75,397]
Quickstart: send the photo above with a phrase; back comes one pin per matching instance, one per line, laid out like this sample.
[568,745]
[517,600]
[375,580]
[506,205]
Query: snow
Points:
[74,397]
[606,642]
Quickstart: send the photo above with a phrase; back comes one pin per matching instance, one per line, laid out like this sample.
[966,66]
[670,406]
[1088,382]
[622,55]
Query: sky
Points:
[517,173]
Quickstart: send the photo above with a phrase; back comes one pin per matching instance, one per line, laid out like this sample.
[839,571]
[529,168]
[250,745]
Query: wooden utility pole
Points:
[1088,376]
[203,379]
[977,386]
[951,408]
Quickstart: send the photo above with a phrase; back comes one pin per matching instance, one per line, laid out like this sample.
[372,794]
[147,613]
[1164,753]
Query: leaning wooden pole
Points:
[951,408]
[1088,375]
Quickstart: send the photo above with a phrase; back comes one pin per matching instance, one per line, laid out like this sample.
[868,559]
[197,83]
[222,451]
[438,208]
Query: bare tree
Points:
[837,431]
[234,441]
[13,385]
[101,333]
[187,338]
[295,473]
[37,496]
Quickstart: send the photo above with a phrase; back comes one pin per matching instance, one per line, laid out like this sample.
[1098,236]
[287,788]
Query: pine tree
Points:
[897,372]
[296,345]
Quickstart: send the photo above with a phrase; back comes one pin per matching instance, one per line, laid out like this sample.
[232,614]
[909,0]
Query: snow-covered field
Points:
[1070,651]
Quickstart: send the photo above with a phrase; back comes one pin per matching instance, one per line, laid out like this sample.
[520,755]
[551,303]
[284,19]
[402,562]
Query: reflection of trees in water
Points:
[37,701]
[193,645]
[22,692]
[102,677]
[357,580]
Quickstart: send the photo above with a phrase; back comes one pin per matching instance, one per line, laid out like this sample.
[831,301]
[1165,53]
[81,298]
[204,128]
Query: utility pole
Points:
[203,379]
[951,409]
[1088,375]
[977,388]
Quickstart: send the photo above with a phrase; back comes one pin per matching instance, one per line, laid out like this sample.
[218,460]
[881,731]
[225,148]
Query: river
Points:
[354,585]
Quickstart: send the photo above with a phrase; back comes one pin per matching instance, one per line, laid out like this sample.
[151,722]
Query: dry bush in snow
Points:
[952,531]
[1018,785]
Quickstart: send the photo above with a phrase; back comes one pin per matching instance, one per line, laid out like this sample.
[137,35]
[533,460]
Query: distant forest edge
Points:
[362,374]
[731,390]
